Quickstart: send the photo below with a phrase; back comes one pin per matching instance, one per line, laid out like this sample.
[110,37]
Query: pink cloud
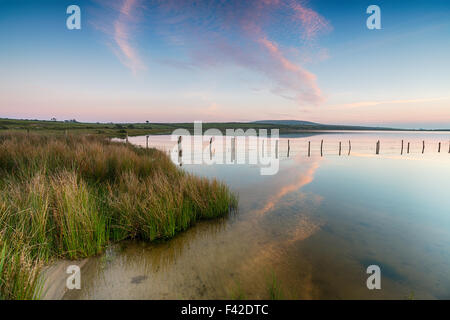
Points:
[216,33]
[120,24]
[251,47]
[292,76]
[312,23]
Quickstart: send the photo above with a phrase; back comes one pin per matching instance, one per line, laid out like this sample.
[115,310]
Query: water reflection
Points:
[316,225]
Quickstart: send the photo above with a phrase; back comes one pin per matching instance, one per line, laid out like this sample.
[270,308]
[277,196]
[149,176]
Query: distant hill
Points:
[288,122]
[308,125]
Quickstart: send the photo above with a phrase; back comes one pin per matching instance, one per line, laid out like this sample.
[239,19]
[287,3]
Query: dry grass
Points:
[71,196]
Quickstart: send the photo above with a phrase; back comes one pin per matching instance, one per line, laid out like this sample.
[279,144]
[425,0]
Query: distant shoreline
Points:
[138,129]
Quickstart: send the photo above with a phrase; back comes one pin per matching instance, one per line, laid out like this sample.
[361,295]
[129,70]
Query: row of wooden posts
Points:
[377,146]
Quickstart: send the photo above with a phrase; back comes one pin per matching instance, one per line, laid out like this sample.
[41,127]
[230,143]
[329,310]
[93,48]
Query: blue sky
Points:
[179,60]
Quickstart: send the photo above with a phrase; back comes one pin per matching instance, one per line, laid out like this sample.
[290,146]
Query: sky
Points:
[219,61]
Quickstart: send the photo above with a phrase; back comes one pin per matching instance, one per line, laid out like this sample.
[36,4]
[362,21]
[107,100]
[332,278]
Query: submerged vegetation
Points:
[70,196]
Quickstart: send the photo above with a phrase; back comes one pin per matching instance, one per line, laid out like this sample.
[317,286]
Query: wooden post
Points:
[179,144]
[408,148]
[449,147]
[401,152]
[377,151]
[289,149]
[340,147]
[321,148]
[439,148]
[147,142]
[180,151]
[349,146]
[423,146]
[309,148]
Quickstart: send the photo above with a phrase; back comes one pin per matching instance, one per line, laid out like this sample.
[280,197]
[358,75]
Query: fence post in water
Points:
[349,146]
[321,148]
[439,148]
[289,149]
[309,148]
[233,149]
[401,152]
[340,147]
[423,146]
[377,151]
[180,151]
[408,148]
[147,142]
[179,143]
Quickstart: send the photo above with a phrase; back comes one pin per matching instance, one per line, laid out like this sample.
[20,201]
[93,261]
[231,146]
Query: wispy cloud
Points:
[237,32]
[312,23]
[124,17]
[243,33]
[291,76]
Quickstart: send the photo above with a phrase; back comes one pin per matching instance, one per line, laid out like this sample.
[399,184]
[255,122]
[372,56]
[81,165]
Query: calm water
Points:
[316,226]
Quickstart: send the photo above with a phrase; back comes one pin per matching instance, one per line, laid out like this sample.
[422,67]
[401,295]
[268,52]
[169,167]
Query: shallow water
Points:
[315,226]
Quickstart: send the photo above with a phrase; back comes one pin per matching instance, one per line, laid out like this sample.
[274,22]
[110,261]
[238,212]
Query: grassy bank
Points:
[69,196]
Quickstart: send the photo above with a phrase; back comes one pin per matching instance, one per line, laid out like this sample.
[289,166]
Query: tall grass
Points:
[69,196]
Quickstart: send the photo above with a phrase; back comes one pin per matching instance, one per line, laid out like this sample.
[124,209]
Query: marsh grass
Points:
[70,196]
[274,288]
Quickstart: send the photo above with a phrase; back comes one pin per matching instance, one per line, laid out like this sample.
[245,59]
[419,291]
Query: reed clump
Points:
[70,196]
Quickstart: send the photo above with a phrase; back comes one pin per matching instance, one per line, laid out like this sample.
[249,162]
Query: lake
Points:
[313,228]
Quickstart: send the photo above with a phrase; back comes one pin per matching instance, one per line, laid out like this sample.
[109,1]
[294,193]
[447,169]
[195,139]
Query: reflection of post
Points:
[423,146]
[276,149]
[407,150]
[340,147]
[147,142]
[210,148]
[321,148]
[289,149]
[180,157]
[349,147]
[309,148]
[233,149]
[439,148]
[401,152]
